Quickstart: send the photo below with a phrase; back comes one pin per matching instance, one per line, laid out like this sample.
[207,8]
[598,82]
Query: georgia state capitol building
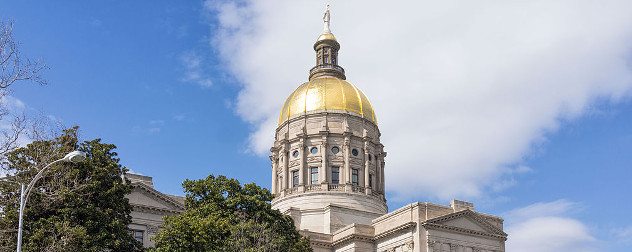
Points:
[328,175]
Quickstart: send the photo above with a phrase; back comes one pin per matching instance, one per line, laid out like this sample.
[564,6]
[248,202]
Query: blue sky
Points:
[522,108]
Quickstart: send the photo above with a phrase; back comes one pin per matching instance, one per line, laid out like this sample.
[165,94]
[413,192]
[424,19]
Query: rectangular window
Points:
[354,177]
[314,172]
[137,234]
[335,175]
[371,180]
[294,178]
[326,59]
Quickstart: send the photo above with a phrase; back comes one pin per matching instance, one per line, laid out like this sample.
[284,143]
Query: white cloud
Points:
[545,227]
[179,117]
[193,70]
[552,234]
[20,115]
[554,208]
[12,104]
[462,89]
[157,122]
[152,126]
[623,235]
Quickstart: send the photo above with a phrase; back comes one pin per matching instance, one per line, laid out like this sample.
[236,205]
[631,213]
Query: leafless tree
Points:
[13,69]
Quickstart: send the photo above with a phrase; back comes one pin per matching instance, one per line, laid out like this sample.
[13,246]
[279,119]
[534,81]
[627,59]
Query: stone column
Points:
[367,186]
[382,162]
[301,169]
[347,152]
[378,170]
[286,164]
[323,153]
[275,163]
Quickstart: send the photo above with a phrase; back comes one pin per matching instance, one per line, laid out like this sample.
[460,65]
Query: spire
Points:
[326,48]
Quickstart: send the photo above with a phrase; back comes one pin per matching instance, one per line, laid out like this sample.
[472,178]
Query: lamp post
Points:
[74,157]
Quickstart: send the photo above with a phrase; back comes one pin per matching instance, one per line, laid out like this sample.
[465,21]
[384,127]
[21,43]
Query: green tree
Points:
[74,207]
[223,215]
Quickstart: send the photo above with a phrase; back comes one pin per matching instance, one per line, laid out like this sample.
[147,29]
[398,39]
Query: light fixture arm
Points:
[73,157]
[35,179]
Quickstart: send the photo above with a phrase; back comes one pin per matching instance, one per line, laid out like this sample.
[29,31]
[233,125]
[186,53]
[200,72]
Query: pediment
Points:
[465,221]
[147,197]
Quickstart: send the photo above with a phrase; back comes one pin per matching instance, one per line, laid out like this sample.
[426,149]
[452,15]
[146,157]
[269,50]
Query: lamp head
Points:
[75,156]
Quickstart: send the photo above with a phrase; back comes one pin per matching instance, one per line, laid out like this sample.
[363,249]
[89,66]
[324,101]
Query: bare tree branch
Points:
[12,66]
[13,69]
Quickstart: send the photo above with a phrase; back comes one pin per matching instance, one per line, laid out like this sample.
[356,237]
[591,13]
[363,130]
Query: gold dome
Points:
[327,93]
[326,36]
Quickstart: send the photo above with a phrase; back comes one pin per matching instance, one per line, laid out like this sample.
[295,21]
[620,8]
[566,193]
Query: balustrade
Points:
[326,66]
[315,187]
[336,187]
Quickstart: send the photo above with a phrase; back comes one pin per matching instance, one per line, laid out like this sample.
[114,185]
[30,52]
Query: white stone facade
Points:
[148,208]
[348,216]
[345,216]
[304,145]
[420,226]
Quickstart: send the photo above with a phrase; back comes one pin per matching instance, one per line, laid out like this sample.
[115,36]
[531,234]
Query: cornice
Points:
[391,231]
[463,231]
[396,212]
[374,198]
[350,238]
[319,136]
[324,112]
[157,194]
[152,209]
[436,224]
[358,237]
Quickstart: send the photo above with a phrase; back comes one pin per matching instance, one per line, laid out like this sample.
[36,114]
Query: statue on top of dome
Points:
[326,20]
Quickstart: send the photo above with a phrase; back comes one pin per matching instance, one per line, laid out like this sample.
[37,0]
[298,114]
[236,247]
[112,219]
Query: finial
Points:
[326,20]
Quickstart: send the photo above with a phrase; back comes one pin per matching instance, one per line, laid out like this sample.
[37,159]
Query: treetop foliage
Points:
[223,215]
[75,206]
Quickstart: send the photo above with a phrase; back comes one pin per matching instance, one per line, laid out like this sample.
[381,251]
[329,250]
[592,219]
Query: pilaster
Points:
[322,173]
[367,186]
[284,152]
[275,162]
[302,153]
[347,153]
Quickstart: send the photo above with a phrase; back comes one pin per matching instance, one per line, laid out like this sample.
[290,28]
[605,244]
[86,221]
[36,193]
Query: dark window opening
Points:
[335,175]
[294,178]
[314,172]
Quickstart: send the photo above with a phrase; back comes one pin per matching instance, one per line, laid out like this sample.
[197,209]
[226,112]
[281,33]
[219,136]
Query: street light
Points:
[74,157]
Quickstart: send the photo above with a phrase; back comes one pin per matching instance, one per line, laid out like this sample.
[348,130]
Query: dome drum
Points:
[332,122]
